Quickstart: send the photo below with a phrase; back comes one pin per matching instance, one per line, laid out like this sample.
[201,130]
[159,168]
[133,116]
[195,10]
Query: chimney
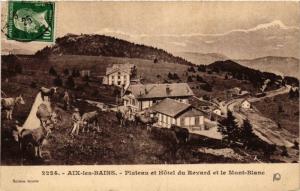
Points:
[146,91]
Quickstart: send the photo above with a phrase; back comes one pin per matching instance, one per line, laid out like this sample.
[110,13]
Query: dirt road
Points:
[263,127]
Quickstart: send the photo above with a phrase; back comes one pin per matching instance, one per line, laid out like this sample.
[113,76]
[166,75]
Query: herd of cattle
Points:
[33,138]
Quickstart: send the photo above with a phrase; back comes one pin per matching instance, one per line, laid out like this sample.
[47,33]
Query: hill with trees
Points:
[101,45]
[256,77]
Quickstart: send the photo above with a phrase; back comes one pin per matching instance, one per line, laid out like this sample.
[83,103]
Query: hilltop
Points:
[284,66]
[101,45]
[278,65]
[202,58]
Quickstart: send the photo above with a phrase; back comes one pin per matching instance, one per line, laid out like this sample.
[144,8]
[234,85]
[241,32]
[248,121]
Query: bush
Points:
[191,69]
[284,152]
[206,87]
[206,97]
[201,68]
[66,72]
[86,78]
[52,71]
[75,73]
[190,79]
[33,84]
[200,79]
[14,68]
[58,81]
[70,82]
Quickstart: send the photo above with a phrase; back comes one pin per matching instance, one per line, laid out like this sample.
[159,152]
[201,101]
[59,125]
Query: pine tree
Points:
[190,79]
[229,129]
[66,72]
[70,82]
[247,134]
[52,71]
[57,81]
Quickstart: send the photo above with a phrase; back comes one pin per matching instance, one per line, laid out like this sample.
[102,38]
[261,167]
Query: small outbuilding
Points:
[245,104]
[170,111]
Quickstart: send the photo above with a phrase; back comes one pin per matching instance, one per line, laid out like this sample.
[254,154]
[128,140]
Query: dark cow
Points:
[8,105]
[47,92]
[182,134]
[35,137]
[31,138]
[144,119]
[90,119]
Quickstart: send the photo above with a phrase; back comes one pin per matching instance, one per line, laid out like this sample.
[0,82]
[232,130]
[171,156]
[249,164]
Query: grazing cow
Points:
[31,137]
[182,134]
[90,118]
[35,137]
[8,105]
[147,120]
[47,92]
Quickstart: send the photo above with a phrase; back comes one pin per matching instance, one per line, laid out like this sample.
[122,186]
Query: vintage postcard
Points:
[150,95]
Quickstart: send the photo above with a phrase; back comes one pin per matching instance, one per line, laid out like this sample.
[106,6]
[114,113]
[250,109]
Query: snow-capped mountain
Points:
[268,39]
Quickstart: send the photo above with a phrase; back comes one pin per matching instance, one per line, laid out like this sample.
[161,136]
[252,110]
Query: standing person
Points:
[76,119]
[66,99]
[119,117]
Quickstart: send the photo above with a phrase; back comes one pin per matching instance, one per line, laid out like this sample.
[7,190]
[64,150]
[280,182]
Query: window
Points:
[164,118]
[178,121]
[192,121]
[173,121]
[159,119]
[201,120]
[169,120]
[187,121]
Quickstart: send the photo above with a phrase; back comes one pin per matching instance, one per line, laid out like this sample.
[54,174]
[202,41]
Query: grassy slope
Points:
[106,148]
[114,145]
[288,119]
[151,72]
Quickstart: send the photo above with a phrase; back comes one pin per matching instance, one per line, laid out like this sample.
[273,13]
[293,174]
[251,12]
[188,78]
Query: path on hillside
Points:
[263,127]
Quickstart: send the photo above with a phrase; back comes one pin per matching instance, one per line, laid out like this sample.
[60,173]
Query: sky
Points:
[172,17]
[157,18]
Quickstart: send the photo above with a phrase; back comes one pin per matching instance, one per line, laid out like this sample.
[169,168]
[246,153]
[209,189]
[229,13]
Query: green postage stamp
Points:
[31,21]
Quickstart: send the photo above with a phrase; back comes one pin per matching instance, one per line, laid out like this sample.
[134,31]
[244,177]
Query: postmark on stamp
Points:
[31,21]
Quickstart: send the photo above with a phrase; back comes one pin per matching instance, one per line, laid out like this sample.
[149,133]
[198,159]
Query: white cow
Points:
[8,105]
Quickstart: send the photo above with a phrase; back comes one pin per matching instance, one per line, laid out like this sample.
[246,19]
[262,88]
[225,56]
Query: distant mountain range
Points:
[285,66]
[268,39]
[201,58]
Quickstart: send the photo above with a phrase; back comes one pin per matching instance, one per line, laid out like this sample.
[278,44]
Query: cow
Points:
[47,92]
[8,105]
[31,138]
[35,137]
[90,118]
[144,119]
[182,134]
